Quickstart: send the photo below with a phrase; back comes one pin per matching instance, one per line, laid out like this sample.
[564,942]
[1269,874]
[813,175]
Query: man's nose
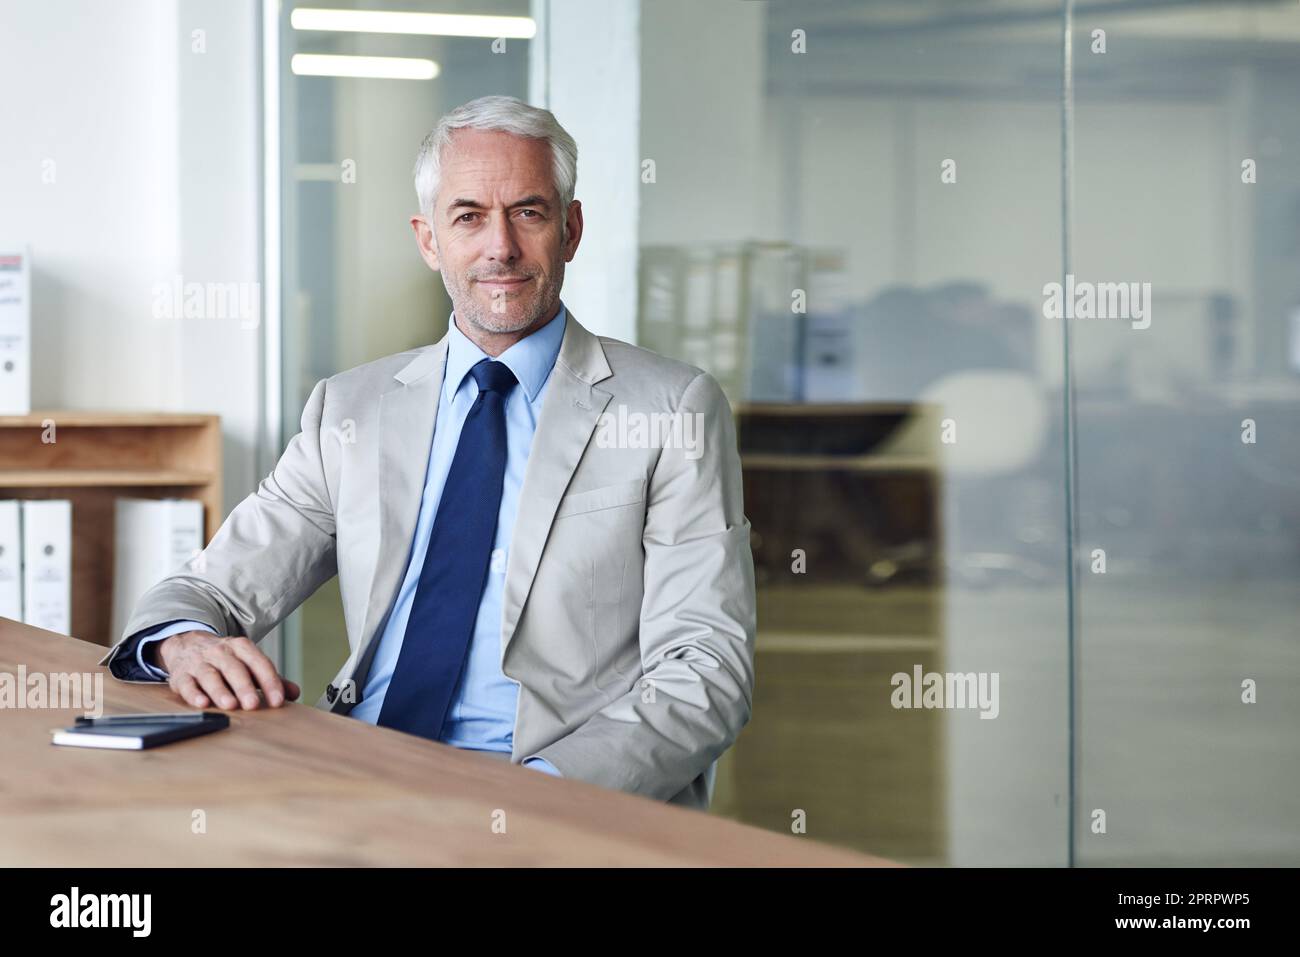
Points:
[501,245]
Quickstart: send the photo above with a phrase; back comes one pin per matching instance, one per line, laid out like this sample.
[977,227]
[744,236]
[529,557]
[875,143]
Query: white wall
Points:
[155,174]
[589,76]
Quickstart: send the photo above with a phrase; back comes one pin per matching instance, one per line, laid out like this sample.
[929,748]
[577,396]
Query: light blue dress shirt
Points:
[481,715]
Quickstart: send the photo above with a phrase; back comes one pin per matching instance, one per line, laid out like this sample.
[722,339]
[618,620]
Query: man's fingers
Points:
[263,670]
[239,678]
[229,672]
[212,681]
[188,689]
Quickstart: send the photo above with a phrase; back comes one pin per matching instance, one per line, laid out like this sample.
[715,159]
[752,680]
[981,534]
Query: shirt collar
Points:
[530,359]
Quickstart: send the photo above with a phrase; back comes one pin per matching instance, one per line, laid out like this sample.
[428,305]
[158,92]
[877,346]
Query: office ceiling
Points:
[1012,48]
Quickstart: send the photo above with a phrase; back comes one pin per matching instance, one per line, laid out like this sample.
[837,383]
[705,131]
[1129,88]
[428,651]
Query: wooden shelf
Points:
[820,409]
[812,642]
[91,458]
[76,478]
[91,417]
[830,463]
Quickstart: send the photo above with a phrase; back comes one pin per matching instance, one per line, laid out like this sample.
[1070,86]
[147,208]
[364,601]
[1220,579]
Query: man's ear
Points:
[424,241]
[574,223]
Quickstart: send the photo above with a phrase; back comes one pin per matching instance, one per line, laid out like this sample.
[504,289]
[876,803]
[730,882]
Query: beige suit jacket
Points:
[628,617]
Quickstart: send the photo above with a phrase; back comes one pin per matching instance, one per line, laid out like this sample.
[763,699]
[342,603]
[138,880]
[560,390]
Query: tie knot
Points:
[493,376]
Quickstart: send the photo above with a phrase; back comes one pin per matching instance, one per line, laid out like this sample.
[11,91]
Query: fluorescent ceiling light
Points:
[426,24]
[374,67]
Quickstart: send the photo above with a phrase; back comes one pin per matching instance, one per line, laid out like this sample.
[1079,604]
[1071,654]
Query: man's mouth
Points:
[508,282]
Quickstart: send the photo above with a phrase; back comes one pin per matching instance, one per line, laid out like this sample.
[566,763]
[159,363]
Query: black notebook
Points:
[135,732]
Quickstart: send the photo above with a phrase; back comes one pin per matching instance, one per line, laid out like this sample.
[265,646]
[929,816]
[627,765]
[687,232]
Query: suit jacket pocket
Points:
[607,496]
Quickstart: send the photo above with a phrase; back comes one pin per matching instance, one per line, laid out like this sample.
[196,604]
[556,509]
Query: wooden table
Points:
[295,786]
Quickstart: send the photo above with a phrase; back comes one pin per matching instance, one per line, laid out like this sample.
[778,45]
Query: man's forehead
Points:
[503,174]
[471,148]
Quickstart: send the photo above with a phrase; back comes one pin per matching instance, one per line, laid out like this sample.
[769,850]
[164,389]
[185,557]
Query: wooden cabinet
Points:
[91,458]
[855,490]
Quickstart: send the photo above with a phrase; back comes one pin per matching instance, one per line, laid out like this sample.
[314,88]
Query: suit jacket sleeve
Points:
[128,661]
[274,549]
[697,627]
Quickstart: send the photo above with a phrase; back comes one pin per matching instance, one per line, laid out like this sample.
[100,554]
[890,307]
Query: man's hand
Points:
[227,671]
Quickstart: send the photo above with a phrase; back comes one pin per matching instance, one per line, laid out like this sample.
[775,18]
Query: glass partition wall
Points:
[900,408]
[1012,340]
[1187,160]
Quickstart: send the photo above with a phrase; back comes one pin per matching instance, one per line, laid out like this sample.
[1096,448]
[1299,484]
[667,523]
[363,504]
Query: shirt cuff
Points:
[153,671]
[149,671]
[541,764]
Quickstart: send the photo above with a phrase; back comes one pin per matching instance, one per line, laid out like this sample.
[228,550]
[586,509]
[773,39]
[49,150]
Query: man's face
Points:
[496,233]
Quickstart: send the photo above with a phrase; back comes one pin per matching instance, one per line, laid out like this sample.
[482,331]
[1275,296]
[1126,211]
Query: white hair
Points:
[506,114]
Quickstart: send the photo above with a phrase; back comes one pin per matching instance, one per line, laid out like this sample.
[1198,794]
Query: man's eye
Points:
[532,211]
[462,216]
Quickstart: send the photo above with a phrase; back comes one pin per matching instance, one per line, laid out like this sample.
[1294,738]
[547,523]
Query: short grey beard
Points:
[492,322]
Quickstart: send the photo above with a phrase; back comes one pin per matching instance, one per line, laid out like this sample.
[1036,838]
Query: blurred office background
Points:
[899,163]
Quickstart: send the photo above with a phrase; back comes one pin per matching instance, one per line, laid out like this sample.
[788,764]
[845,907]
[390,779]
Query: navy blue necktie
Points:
[455,565]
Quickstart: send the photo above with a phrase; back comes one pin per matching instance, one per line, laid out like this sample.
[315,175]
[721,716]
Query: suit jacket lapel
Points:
[570,412]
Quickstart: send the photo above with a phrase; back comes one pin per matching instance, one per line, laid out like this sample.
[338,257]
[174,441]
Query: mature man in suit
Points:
[539,532]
